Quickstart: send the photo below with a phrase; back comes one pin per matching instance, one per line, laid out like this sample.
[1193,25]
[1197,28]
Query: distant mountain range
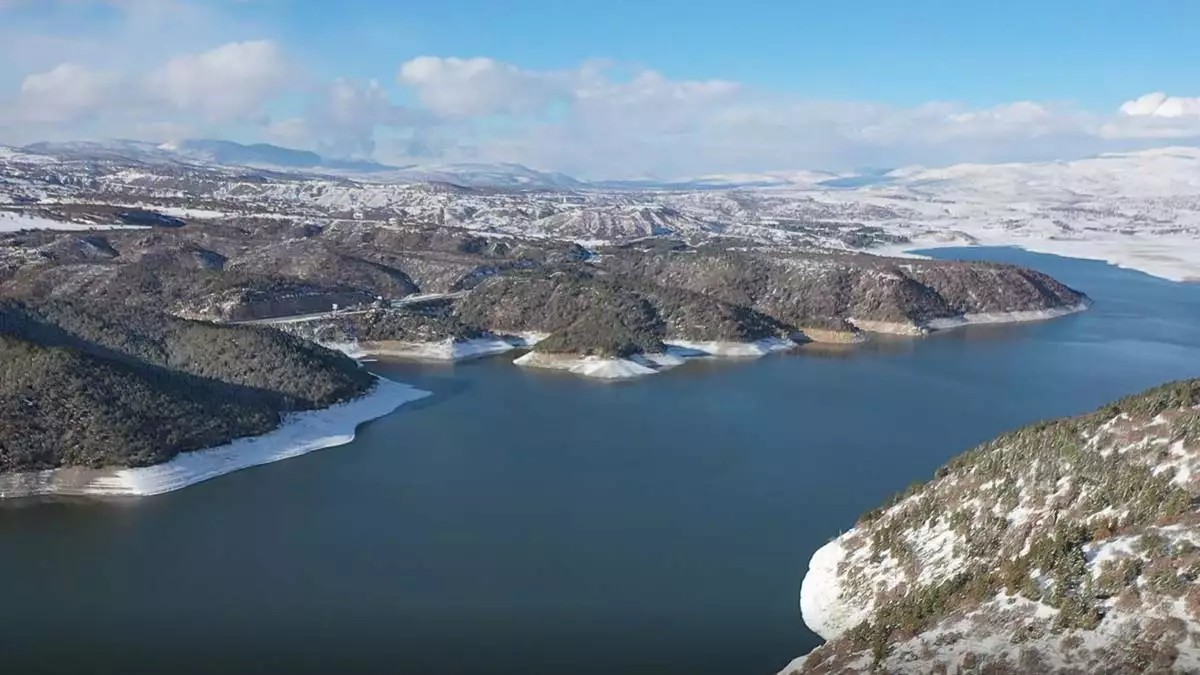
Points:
[274,157]
[469,174]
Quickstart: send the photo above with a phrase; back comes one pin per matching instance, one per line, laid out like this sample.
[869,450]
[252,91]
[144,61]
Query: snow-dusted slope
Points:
[1069,546]
[1140,210]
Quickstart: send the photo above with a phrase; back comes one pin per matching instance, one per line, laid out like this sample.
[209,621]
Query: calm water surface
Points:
[527,522]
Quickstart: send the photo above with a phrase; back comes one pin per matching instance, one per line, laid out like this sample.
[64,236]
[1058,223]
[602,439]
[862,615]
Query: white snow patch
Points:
[591,366]
[200,214]
[444,350]
[11,221]
[821,603]
[527,338]
[731,349]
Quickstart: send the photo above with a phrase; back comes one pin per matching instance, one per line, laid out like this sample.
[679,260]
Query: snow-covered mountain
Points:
[265,155]
[209,152]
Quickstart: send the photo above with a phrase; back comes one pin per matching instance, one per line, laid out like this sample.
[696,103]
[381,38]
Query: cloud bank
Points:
[164,69]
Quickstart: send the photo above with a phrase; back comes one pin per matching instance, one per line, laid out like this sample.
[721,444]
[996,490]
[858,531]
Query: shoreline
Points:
[1158,258]
[597,367]
[299,434]
[971,319]
[821,606]
[678,351]
[449,350]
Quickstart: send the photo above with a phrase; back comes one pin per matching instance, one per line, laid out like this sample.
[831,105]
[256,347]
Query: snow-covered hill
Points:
[1140,210]
[1070,546]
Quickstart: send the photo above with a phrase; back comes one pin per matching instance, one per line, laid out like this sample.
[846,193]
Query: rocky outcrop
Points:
[1070,546]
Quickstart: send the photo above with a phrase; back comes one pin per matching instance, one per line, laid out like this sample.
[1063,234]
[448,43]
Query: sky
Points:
[615,89]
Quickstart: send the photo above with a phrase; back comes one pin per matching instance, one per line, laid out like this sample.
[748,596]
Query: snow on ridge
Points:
[300,433]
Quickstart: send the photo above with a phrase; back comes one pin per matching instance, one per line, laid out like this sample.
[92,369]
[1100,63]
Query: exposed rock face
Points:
[81,387]
[1070,546]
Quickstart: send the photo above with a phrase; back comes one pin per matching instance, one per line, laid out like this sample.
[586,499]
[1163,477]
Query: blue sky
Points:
[616,87]
[1095,52]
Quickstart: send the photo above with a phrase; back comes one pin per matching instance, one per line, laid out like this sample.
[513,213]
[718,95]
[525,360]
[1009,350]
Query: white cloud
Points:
[343,117]
[1155,117]
[480,86]
[229,83]
[1159,104]
[593,120]
[65,93]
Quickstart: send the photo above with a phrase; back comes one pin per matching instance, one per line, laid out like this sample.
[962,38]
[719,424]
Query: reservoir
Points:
[529,522]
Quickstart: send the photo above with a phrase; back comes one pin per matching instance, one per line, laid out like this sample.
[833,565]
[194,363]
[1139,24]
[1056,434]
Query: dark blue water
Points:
[520,522]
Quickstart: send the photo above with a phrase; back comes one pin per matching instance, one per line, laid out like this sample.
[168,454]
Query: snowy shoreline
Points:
[975,319]
[728,349]
[450,349]
[677,353]
[821,605]
[300,433]
[1171,259]
[636,365]
[1006,317]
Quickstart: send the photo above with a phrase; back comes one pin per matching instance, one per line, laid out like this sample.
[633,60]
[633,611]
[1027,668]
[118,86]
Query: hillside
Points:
[1138,209]
[1067,546]
[614,299]
[81,386]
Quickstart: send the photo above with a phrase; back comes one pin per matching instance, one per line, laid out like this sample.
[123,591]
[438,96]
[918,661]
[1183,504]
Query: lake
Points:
[520,522]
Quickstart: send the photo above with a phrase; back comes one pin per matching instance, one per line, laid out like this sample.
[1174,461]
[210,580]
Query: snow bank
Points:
[352,349]
[1175,258]
[593,366]
[12,221]
[678,352]
[732,349]
[445,350]
[1005,317]
[199,214]
[821,605]
[946,323]
[301,433]
[527,339]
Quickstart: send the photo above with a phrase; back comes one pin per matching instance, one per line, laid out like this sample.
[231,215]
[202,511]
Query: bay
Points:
[522,521]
